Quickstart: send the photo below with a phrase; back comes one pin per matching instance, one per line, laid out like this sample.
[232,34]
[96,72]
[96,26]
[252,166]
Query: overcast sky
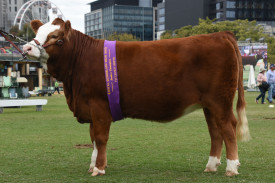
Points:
[74,11]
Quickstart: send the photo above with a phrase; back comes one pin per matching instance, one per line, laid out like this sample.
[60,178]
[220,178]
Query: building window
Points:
[10,9]
[9,1]
[230,14]
[271,15]
[219,6]
[161,27]
[219,15]
[240,14]
[94,24]
[161,19]
[161,11]
[15,9]
[243,4]
[246,14]
[230,4]
[15,1]
[259,14]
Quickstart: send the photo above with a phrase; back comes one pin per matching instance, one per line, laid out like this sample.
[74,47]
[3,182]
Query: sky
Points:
[74,10]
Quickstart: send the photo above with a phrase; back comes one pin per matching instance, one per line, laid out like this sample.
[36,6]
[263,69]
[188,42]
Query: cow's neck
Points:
[63,66]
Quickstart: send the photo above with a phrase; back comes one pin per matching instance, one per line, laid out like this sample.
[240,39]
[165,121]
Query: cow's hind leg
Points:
[230,139]
[227,123]
[216,142]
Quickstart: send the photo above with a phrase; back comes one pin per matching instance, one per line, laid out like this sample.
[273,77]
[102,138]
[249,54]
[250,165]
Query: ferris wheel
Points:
[43,10]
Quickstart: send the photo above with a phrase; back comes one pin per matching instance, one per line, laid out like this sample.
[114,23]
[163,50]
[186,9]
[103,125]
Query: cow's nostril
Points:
[27,48]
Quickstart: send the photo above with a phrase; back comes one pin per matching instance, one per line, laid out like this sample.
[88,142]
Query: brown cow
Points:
[158,80]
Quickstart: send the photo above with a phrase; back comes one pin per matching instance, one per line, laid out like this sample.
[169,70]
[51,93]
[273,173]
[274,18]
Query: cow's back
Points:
[159,80]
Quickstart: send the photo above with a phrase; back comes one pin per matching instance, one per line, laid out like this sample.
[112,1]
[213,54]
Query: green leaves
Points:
[242,29]
[26,33]
[122,37]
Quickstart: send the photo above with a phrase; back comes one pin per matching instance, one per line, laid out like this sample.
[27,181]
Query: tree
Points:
[27,33]
[167,35]
[122,37]
[271,50]
[14,30]
[242,29]
[205,26]
[184,31]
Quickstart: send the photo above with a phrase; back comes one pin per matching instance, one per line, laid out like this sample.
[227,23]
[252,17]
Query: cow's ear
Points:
[35,24]
[58,21]
[67,29]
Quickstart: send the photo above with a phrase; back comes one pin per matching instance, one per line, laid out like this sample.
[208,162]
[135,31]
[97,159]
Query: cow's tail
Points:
[242,125]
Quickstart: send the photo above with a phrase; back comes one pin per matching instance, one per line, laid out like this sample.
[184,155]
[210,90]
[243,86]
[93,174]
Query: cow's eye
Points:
[54,36]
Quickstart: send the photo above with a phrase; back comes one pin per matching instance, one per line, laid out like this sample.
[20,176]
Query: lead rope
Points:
[24,54]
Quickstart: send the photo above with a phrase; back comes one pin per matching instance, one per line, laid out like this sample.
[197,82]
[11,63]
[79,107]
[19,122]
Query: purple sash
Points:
[110,69]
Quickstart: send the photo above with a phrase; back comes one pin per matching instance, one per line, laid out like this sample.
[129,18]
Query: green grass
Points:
[39,147]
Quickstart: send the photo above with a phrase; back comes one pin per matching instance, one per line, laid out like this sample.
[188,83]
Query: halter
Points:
[58,43]
[38,45]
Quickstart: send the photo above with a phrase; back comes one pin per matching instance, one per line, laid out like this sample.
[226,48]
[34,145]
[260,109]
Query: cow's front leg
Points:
[95,152]
[100,134]
[100,143]
[93,158]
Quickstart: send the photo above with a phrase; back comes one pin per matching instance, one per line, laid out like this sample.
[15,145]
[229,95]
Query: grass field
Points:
[39,147]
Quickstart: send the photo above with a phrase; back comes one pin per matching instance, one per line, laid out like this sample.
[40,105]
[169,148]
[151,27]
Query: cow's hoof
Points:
[97,172]
[210,170]
[230,174]
[212,164]
[232,167]
[91,169]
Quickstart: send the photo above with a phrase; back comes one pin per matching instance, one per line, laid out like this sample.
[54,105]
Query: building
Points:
[182,13]
[263,11]
[160,19]
[260,10]
[8,11]
[174,14]
[188,12]
[135,17]
[20,12]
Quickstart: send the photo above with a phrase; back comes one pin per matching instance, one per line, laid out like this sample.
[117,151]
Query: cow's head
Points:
[49,39]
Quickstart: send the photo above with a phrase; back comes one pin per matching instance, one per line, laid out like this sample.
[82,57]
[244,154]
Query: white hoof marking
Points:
[96,172]
[232,167]
[213,163]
